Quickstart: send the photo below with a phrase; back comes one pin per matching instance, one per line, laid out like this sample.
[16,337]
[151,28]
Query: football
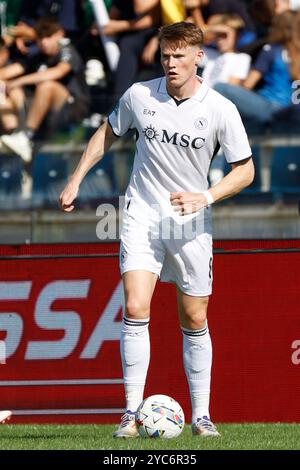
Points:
[160,416]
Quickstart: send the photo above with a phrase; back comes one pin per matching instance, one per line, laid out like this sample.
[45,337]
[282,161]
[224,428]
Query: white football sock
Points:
[197,357]
[135,354]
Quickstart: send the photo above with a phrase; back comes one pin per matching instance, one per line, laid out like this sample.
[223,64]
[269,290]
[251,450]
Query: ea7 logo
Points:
[106,329]
[149,112]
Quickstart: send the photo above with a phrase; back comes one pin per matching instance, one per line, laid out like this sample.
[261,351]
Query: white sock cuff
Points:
[195,333]
[196,336]
[140,322]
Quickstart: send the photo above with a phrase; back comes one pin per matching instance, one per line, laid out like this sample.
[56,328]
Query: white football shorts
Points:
[169,247]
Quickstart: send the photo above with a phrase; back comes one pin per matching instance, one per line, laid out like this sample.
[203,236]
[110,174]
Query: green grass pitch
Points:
[98,437]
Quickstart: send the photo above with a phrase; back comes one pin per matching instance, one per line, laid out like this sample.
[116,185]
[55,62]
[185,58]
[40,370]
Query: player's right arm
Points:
[98,145]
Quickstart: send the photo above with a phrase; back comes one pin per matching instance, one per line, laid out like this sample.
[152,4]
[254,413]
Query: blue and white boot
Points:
[128,427]
[204,427]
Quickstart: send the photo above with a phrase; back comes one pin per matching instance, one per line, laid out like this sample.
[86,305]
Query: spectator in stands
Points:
[58,76]
[271,74]
[69,13]
[262,13]
[191,10]
[225,64]
[203,10]
[11,103]
[171,11]
[133,21]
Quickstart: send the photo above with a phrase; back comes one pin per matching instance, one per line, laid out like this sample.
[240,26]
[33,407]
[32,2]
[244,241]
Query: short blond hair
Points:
[181,34]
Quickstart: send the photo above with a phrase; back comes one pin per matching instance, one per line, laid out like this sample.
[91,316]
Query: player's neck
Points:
[185,91]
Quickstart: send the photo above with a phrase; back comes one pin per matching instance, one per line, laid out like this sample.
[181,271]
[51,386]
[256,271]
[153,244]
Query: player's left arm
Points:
[241,176]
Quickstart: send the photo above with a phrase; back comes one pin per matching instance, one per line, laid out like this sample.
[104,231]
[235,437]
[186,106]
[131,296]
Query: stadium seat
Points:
[50,173]
[98,183]
[285,173]
[287,120]
[252,194]
[10,174]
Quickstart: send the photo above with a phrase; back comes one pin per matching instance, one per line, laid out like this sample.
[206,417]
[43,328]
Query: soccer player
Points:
[5,416]
[166,234]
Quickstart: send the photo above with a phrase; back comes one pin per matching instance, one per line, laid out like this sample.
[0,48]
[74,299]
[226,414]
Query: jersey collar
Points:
[199,96]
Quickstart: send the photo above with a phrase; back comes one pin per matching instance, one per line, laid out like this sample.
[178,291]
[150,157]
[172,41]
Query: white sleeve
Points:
[232,135]
[121,118]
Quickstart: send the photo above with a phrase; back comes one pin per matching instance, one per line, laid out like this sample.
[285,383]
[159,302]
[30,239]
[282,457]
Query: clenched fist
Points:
[187,203]
[68,196]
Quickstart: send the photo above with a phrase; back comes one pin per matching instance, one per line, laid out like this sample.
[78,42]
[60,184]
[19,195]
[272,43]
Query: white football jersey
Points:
[176,142]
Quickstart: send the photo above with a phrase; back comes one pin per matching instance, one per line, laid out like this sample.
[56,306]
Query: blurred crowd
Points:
[57,67]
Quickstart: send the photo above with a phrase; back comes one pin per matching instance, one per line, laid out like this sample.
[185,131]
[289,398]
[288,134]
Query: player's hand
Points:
[68,196]
[187,203]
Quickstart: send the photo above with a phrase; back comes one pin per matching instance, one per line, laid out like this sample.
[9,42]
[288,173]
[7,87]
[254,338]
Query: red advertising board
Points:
[60,320]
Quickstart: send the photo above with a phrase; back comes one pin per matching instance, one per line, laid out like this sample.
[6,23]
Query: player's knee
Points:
[196,319]
[136,308]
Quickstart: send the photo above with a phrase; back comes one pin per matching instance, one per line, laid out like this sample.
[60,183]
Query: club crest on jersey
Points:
[201,123]
[150,133]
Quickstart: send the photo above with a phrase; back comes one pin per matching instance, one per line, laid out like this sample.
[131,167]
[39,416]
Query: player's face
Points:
[179,63]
